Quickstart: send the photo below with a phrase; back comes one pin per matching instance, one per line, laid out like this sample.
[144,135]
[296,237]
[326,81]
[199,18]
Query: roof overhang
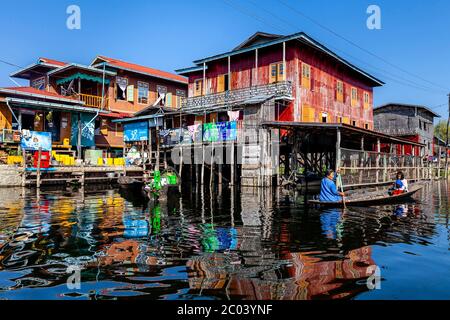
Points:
[134,119]
[190,70]
[52,105]
[39,96]
[308,127]
[81,67]
[25,73]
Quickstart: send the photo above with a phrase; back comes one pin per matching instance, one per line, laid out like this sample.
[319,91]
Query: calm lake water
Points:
[237,244]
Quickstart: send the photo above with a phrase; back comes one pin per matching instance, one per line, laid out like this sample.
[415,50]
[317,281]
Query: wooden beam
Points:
[338,149]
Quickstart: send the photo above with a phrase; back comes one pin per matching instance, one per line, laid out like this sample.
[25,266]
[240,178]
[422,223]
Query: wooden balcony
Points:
[93,101]
[250,95]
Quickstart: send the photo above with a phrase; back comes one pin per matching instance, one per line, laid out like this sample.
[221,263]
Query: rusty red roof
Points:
[52,61]
[143,69]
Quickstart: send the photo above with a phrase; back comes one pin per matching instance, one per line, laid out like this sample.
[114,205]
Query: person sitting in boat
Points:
[400,185]
[404,181]
[328,189]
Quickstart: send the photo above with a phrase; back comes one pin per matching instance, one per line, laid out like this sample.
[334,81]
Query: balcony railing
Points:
[399,131]
[93,101]
[238,96]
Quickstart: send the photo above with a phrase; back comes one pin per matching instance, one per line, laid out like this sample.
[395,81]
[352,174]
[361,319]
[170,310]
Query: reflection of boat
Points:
[374,198]
[129,182]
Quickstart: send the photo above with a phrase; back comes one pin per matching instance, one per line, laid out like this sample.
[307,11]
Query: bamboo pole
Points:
[24,174]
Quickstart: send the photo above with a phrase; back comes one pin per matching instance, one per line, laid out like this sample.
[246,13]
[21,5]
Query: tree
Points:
[440,130]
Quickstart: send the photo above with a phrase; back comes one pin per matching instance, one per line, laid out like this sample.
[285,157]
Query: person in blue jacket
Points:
[328,189]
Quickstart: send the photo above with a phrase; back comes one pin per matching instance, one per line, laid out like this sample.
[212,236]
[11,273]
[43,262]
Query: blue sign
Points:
[135,131]
[220,131]
[87,130]
[33,140]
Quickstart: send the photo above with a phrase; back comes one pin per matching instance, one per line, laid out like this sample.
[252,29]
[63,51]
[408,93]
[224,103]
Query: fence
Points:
[367,167]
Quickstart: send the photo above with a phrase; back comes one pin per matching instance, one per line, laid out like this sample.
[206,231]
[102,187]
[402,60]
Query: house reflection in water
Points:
[306,277]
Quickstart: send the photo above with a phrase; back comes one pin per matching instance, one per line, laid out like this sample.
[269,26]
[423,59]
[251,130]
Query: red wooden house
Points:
[314,83]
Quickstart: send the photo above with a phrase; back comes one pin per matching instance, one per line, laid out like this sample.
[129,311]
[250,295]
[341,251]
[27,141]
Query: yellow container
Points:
[12,160]
[109,161]
[100,161]
[118,162]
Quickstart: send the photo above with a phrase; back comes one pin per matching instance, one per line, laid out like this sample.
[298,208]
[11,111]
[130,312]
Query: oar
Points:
[342,190]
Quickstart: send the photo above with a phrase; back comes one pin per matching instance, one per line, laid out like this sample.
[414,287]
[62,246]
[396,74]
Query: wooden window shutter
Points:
[280,72]
[221,83]
[273,73]
[130,93]
[308,113]
[169,99]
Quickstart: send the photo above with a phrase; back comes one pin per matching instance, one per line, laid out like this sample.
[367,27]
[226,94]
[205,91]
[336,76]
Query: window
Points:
[306,76]
[354,123]
[340,120]
[366,126]
[38,83]
[179,98]
[340,91]
[354,101]
[121,88]
[276,72]
[366,100]
[161,94]
[143,92]
[198,87]
[324,117]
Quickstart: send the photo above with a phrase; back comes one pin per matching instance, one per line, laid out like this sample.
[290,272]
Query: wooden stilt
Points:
[38,178]
[211,176]
[181,161]
[203,165]
[232,164]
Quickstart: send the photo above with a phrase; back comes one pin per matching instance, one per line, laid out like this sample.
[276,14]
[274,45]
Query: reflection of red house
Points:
[309,278]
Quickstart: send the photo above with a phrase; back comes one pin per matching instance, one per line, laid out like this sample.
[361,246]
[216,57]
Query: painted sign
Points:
[87,130]
[33,140]
[220,131]
[135,131]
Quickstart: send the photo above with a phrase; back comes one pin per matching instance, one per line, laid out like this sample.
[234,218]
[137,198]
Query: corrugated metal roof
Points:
[405,105]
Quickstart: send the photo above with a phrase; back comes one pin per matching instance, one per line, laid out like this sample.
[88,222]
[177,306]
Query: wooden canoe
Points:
[359,200]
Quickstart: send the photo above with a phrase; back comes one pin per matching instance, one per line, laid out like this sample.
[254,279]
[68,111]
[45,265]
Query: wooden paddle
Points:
[342,190]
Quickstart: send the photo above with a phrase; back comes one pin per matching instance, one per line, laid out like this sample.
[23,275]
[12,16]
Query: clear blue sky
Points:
[170,34]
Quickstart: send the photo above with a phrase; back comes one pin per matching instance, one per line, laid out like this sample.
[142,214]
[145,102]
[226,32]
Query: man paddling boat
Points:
[328,189]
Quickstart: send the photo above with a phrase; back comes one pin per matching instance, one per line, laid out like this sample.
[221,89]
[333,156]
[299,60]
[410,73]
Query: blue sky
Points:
[171,34]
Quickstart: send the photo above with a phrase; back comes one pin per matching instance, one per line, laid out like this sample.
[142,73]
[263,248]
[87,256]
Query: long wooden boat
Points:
[375,198]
